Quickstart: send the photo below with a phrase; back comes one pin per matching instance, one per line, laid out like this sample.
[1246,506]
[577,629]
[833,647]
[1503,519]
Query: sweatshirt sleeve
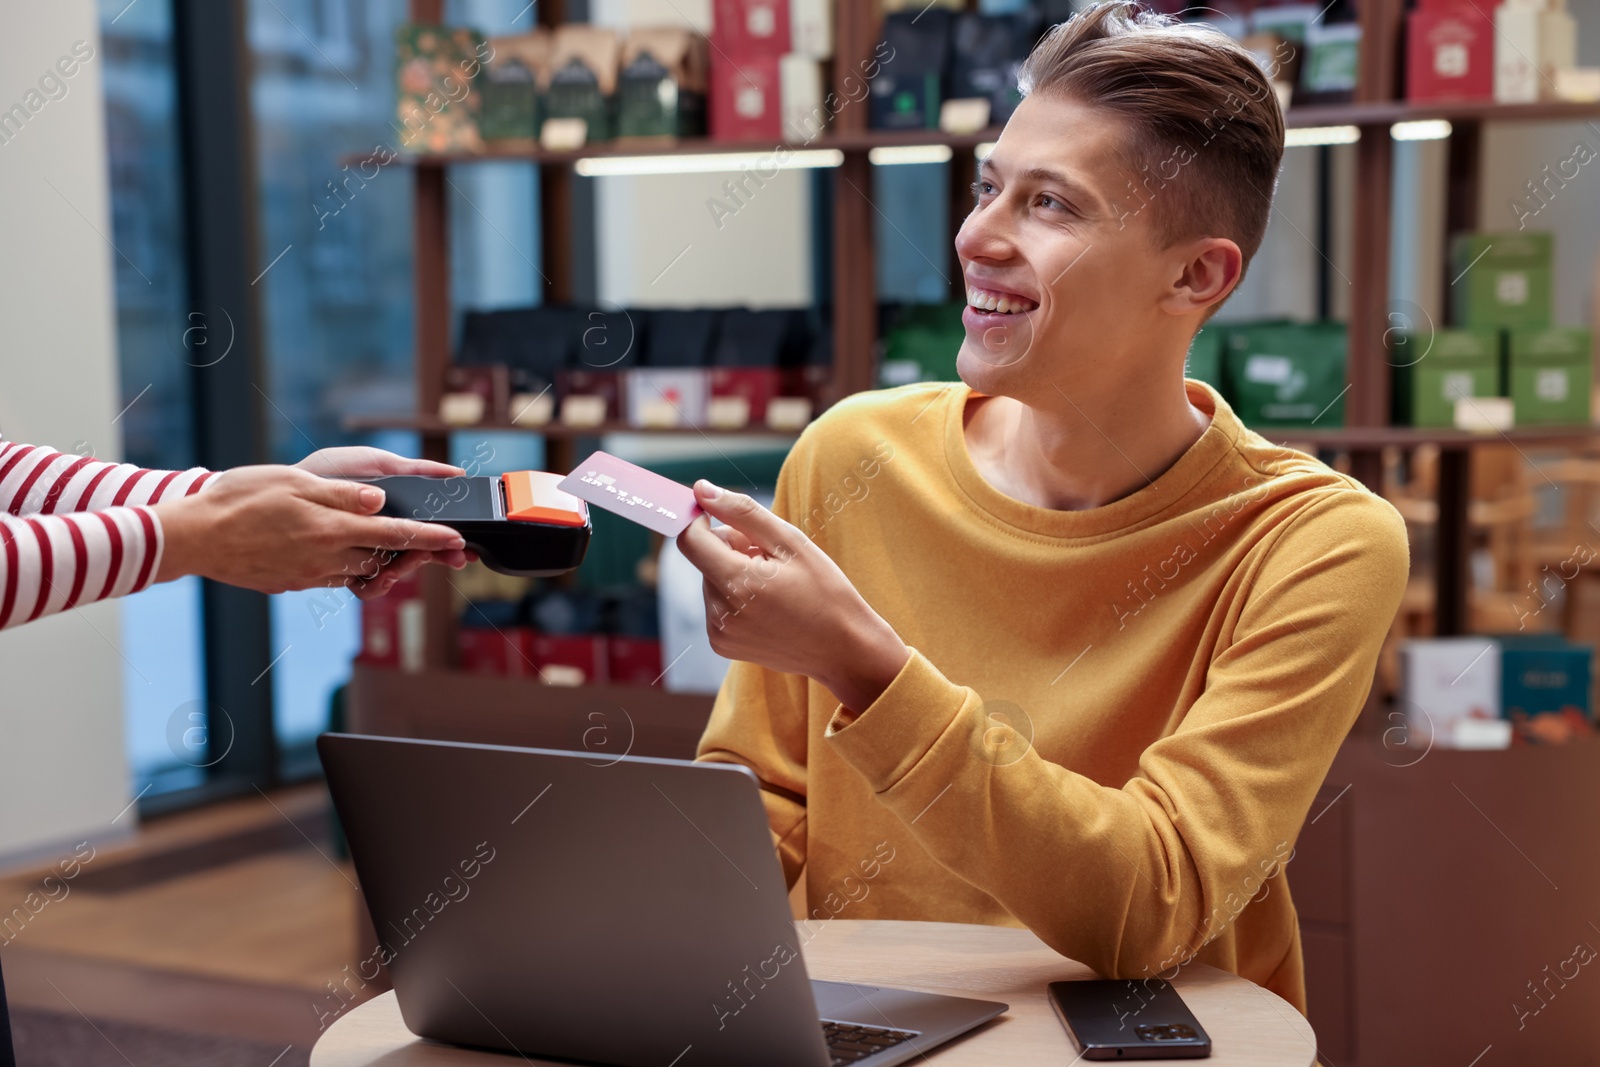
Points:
[74,530]
[1129,880]
[769,735]
[36,480]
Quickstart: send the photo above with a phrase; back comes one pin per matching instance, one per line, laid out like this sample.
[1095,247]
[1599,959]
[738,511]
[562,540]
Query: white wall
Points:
[62,772]
[660,245]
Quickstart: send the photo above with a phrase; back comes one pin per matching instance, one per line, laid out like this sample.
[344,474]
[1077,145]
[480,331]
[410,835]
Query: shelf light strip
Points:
[709,162]
[1421,130]
[889,155]
[1315,135]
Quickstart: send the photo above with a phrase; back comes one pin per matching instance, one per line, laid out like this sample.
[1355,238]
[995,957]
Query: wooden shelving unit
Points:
[426,425]
[854,295]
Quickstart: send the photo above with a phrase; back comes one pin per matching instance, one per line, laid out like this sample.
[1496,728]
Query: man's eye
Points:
[982,189]
[1046,200]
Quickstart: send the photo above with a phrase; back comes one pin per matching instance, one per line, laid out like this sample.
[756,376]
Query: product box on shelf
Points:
[746,97]
[605,346]
[740,395]
[755,351]
[436,97]
[392,627]
[987,52]
[1551,375]
[509,87]
[921,343]
[1502,279]
[492,650]
[566,659]
[744,28]
[800,91]
[533,344]
[667,396]
[633,660]
[662,87]
[1432,369]
[1545,687]
[475,394]
[1449,53]
[1331,63]
[583,78]
[909,86]
[1287,374]
[1450,693]
[671,386]
[811,28]
[1533,41]
[1205,356]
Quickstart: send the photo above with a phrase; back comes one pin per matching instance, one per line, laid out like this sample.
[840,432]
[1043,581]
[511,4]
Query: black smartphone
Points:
[1129,1019]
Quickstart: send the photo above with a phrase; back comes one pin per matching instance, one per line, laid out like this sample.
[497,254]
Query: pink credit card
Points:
[654,502]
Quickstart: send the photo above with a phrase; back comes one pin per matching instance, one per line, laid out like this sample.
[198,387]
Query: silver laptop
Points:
[621,911]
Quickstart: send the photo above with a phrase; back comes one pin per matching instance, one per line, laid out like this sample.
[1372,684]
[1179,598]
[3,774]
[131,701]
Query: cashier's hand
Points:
[384,570]
[363,462]
[775,599]
[273,529]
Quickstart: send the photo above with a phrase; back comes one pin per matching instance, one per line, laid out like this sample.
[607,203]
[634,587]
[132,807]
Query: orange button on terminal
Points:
[532,496]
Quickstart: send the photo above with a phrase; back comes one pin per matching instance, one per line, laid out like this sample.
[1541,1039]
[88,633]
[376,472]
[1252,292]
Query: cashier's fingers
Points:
[378,572]
[401,535]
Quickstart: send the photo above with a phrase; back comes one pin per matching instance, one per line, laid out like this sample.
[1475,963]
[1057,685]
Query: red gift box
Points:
[746,103]
[606,384]
[385,625]
[485,650]
[756,384]
[1450,53]
[814,380]
[751,27]
[633,660]
[584,652]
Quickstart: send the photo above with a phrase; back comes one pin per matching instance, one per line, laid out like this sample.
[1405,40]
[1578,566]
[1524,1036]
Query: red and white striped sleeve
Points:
[74,530]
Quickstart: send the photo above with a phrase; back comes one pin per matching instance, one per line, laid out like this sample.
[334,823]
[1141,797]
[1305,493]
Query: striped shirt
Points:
[73,530]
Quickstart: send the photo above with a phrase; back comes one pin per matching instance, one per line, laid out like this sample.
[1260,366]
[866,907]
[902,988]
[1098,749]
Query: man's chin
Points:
[987,371]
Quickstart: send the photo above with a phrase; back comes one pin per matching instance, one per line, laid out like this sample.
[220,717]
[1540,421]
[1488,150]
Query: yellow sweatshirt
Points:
[1113,721]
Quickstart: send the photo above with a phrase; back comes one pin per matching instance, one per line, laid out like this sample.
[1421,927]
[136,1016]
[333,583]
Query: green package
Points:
[651,103]
[1205,356]
[1501,279]
[1332,58]
[922,345]
[436,96]
[575,93]
[1432,368]
[510,103]
[1551,374]
[1287,375]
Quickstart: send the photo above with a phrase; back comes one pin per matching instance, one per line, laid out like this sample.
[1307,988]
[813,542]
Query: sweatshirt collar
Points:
[1138,508]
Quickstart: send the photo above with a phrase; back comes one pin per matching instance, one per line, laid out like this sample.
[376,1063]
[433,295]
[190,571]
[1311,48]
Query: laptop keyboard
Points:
[851,1043]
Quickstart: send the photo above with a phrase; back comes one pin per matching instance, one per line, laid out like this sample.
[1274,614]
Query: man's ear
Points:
[1209,270]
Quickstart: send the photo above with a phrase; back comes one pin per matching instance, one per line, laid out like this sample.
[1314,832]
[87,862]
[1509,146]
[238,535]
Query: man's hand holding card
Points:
[772,596]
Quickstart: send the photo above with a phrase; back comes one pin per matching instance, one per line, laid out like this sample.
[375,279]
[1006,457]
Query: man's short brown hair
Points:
[1205,128]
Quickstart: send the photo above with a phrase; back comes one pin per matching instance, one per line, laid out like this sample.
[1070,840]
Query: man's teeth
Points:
[1005,305]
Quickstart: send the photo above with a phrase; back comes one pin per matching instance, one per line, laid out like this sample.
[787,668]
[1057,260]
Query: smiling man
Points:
[1070,640]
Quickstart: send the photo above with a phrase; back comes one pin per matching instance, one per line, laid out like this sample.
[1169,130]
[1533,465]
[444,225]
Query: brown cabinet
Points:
[1448,902]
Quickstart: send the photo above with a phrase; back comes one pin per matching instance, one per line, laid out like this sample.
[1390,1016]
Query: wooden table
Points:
[1249,1026]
